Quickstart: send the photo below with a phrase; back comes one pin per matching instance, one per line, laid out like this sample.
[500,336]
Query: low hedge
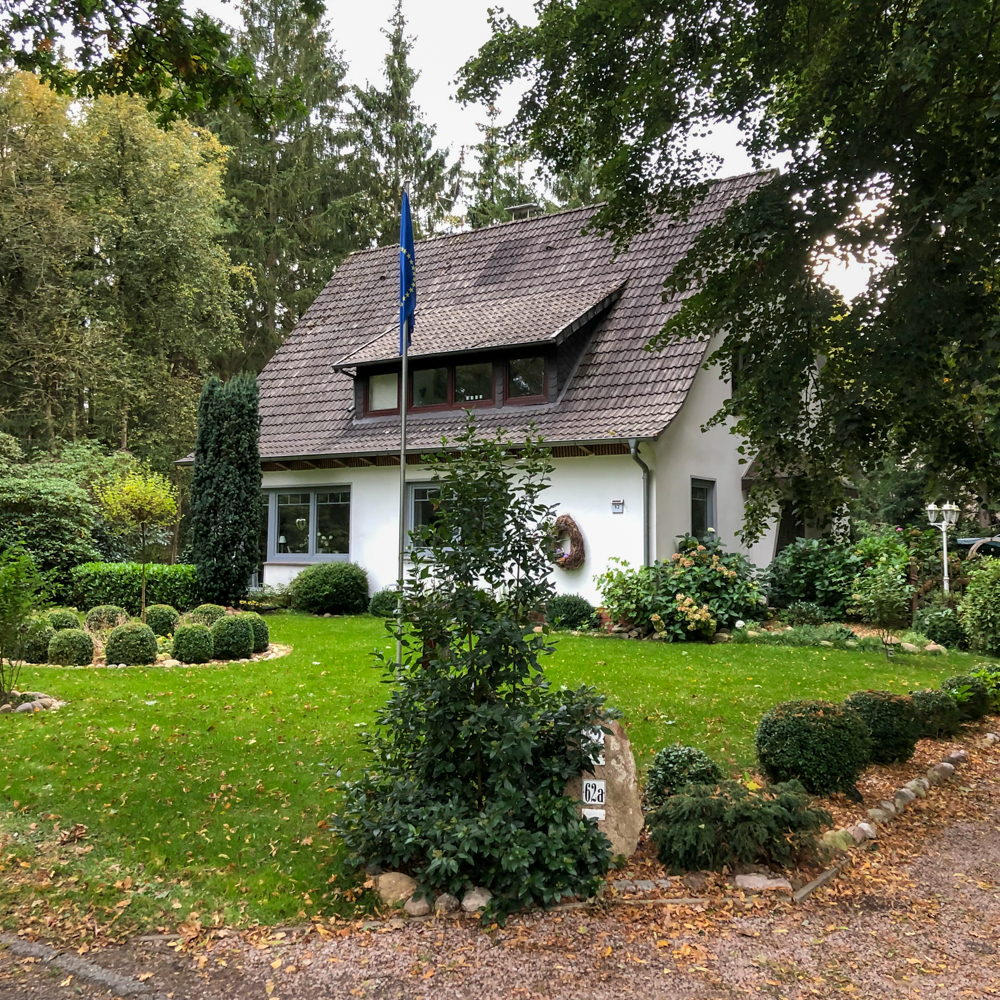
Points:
[971,695]
[384,603]
[193,643]
[893,722]
[676,767]
[261,633]
[62,618]
[823,745]
[162,619]
[71,647]
[337,588]
[34,647]
[121,584]
[105,617]
[232,637]
[937,714]
[570,611]
[133,644]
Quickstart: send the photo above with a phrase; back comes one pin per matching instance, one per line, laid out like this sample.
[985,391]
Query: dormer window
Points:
[526,382]
[383,393]
[452,387]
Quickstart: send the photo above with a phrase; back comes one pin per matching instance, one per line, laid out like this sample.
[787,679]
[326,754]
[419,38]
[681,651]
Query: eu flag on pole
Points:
[407,275]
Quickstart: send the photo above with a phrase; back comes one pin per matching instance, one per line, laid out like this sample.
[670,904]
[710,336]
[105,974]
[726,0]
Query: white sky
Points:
[446,33]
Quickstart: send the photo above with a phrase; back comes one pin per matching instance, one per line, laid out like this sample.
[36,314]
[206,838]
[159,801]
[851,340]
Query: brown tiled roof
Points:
[618,391]
[504,321]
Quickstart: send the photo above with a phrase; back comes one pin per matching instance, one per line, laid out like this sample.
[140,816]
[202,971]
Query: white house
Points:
[530,321]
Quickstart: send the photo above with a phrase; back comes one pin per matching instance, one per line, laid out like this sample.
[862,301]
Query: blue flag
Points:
[407,276]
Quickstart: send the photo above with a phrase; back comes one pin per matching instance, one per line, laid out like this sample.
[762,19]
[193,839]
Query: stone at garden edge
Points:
[394,887]
[446,903]
[475,899]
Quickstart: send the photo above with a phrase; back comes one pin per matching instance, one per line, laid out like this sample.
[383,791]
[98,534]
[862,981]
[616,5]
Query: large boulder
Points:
[395,887]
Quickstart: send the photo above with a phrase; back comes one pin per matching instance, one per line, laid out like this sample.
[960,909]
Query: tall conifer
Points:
[226,505]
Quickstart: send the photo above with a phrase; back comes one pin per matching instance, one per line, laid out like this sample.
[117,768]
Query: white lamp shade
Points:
[950,512]
[933,513]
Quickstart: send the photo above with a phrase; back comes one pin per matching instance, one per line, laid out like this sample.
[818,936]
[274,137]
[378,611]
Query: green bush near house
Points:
[162,619]
[336,588]
[34,646]
[817,571]
[232,638]
[677,767]
[570,611]
[383,603]
[805,613]
[193,643]
[71,647]
[121,584]
[105,617]
[989,674]
[892,720]
[133,644]
[940,625]
[970,694]
[62,618]
[727,824]
[823,745]
[937,714]
[261,634]
[980,611]
[207,614]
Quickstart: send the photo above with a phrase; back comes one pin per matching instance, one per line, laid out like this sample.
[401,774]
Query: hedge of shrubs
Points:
[71,647]
[132,643]
[193,643]
[162,619]
[232,638]
[258,627]
[335,588]
[571,611]
[892,721]
[937,714]
[121,584]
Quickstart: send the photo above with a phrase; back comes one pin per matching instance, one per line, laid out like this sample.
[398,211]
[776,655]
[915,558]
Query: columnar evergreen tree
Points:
[225,491]
[395,146]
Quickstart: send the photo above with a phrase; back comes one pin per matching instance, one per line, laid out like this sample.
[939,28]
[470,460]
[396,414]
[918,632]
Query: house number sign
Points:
[617,506]
[594,794]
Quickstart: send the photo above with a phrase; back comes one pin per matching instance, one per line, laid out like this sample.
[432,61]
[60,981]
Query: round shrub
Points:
[674,768]
[71,647]
[336,588]
[261,633]
[162,619]
[937,713]
[193,643]
[132,643]
[232,637]
[980,612]
[893,722]
[805,613]
[105,617]
[207,614]
[569,611]
[62,618]
[970,694]
[940,625]
[383,603]
[34,647]
[825,746]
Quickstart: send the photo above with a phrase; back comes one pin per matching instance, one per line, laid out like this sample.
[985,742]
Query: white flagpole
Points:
[402,494]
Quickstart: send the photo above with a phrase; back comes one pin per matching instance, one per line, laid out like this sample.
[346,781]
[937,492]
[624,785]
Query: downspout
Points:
[633,450]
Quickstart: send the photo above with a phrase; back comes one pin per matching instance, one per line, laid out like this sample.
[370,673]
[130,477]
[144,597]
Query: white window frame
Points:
[312,556]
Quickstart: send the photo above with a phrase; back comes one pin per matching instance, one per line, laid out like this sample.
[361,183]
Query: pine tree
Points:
[293,200]
[225,492]
[395,147]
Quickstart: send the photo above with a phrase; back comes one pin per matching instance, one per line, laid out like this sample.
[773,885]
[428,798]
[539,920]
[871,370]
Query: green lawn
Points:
[207,786]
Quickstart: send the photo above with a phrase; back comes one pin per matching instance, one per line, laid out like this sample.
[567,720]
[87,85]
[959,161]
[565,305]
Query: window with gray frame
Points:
[702,507]
[309,525]
[424,499]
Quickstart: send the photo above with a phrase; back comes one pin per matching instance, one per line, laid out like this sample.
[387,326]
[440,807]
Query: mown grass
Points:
[206,789]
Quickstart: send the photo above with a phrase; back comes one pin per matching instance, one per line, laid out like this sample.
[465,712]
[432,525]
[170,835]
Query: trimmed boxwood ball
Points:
[336,588]
[938,714]
[970,694]
[71,647]
[132,643]
[35,645]
[162,619]
[569,611]
[105,617]
[232,638]
[893,722]
[383,603]
[62,618]
[823,745]
[676,767]
[193,643]
[261,633]
[207,614]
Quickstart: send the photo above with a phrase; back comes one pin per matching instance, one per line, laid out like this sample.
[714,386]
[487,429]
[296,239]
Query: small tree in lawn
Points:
[474,748]
[20,594]
[883,596]
[225,489]
[136,503]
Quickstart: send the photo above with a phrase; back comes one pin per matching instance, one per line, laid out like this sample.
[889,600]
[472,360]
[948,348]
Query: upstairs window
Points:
[526,381]
[452,387]
[473,383]
[430,387]
[383,393]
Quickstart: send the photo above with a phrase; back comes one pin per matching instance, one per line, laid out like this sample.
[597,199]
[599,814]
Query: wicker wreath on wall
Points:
[566,527]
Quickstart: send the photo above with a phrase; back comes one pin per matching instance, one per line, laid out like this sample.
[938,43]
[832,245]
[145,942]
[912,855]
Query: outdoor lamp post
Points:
[943,517]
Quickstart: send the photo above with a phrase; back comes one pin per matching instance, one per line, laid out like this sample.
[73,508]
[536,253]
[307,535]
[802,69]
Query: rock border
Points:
[38,702]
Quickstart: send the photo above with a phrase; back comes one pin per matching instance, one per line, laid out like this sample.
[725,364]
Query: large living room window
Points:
[309,525]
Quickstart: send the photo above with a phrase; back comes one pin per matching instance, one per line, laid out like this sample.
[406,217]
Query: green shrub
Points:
[193,643]
[937,714]
[712,826]
[893,722]
[62,618]
[336,588]
[162,619]
[383,603]
[34,647]
[105,617]
[980,611]
[940,625]
[674,768]
[825,746]
[805,613]
[813,570]
[261,633]
[232,638]
[121,584]
[71,647]
[989,674]
[132,643]
[207,614]
[971,696]
[570,611]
